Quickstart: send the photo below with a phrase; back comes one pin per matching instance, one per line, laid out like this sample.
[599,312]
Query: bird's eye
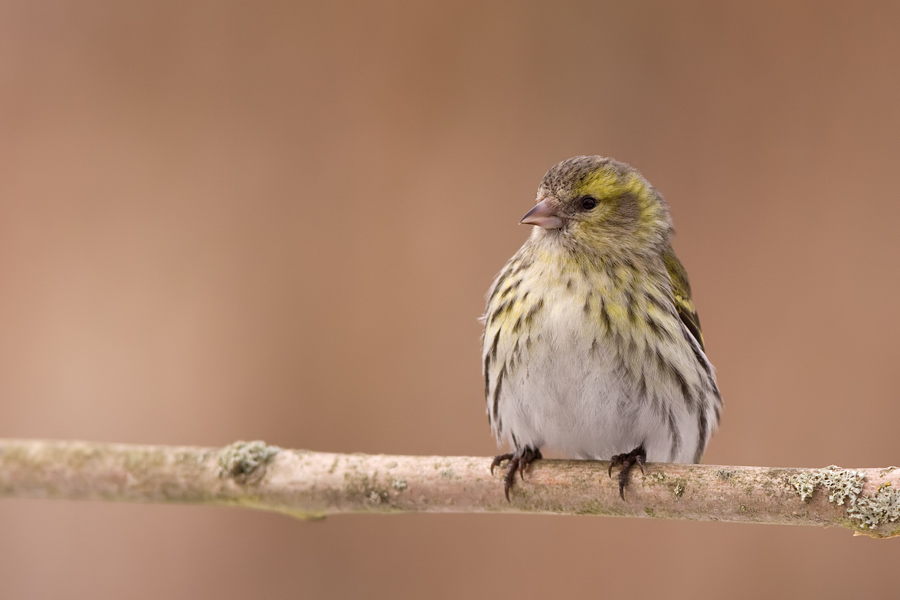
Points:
[588,203]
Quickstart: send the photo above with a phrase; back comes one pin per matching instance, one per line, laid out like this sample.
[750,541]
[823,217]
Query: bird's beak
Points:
[544,214]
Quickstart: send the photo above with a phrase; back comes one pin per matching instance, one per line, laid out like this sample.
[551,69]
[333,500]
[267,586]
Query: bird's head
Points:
[600,205]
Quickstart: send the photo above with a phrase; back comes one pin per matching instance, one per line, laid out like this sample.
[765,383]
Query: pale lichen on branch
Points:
[845,488]
[245,461]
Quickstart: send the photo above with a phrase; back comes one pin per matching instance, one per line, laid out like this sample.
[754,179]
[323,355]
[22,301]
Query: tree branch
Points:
[315,484]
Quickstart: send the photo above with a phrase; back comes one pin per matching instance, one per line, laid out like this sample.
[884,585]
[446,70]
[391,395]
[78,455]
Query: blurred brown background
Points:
[277,220]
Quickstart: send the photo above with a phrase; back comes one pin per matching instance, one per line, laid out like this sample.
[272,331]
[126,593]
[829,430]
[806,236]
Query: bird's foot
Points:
[519,461]
[627,461]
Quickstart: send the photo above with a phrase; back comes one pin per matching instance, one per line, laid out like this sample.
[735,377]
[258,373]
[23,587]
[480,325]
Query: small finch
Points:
[592,345]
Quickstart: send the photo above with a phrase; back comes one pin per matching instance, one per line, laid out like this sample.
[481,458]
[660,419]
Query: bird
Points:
[592,345]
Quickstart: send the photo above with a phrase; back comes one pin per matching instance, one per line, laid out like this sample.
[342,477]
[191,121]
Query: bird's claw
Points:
[499,459]
[519,461]
[627,461]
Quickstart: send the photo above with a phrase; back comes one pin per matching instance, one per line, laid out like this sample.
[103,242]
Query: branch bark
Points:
[315,484]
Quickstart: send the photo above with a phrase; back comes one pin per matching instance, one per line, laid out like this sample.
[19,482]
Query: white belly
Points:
[569,393]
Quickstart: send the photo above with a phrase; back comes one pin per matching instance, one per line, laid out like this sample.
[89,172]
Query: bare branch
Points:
[315,484]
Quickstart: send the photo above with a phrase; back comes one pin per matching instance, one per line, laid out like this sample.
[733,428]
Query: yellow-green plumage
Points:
[681,291]
[592,344]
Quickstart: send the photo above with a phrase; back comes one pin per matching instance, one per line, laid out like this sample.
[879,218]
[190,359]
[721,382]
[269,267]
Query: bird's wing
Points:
[681,290]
